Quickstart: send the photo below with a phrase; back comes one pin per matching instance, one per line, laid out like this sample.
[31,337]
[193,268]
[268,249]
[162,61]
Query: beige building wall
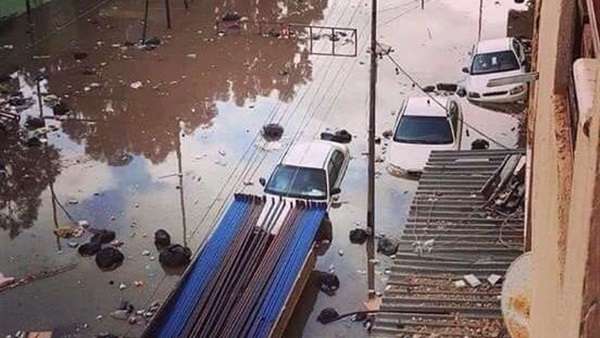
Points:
[565,191]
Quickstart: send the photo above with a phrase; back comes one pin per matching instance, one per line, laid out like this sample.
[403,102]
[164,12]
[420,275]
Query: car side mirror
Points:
[262,181]
[465,70]
[336,191]
[387,134]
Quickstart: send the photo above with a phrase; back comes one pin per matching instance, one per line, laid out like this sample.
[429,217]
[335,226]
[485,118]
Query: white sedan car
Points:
[493,59]
[312,171]
[423,126]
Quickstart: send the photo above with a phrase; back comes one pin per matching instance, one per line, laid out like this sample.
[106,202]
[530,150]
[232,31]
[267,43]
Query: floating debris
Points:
[136,85]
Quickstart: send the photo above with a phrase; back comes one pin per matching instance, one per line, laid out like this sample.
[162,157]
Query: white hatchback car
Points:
[492,59]
[313,171]
[423,126]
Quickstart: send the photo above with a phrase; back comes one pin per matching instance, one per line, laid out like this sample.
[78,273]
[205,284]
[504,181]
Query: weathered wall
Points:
[565,190]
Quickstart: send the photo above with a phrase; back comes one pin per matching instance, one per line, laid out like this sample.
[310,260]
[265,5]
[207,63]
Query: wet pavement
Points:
[195,105]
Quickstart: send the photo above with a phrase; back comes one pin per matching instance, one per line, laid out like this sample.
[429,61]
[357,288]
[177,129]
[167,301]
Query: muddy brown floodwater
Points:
[161,138]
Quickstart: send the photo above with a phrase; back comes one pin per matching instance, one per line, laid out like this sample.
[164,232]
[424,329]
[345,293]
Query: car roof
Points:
[425,106]
[494,45]
[312,154]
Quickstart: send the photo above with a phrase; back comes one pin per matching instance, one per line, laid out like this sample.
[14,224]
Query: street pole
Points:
[371,166]
[181,195]
[28,6]
[168,8]
[145,23]
[480,20]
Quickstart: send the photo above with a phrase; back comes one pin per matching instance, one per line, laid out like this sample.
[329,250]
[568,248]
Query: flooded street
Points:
[162,138]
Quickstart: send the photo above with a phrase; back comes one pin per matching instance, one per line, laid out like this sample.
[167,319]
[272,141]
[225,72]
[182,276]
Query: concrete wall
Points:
[565,190]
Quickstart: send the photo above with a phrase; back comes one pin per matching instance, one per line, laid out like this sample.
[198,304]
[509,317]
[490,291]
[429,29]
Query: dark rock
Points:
[231,16]
[387,246]
[175,256]
[152,41]
[17,101]
[446,87]
[80,55]
[429,89]
[340,136]
[162,239]
[461,92]
[88,71]
[359,317]
[480,144]
[60,108]
[109,258]
[33,122]
[33,142]
[358,236]
[328,315]
[329,283]
[272,131]
[89,249]
[127,306]
[103,236]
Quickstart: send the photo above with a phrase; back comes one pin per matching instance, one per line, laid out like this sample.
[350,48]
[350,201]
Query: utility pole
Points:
[145,23]
[168,9]
[371,166]
[480,20]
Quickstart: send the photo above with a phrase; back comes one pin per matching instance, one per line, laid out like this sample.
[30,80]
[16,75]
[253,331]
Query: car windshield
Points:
[494,63]
[423,130]
[298,182]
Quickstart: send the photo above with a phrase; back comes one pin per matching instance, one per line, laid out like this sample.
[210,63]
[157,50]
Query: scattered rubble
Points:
[358,236]
[175,256]
[272,132]
[472,280]
[162,239]
[387,246]
[109,258]
[341,136]
[329,283]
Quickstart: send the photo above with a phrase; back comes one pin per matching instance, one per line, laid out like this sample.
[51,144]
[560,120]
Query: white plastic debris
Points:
[136,84]
[72,201]
[472,280]
[493,279]
[138,283]
[460,284]
[84,223]
[145,253]
[191,56]
[341,252]
[122,286]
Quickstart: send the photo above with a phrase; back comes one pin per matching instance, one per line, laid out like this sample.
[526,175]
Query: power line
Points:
[412,79]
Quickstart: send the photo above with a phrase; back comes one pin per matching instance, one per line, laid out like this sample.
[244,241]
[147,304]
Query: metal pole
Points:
[145,23]
[480,20]
[168,8]
[28,5]
[181,195]
[39,95]
[371,167]
[422,4]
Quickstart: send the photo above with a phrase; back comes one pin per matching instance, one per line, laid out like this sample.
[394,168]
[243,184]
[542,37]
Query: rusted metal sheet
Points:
[466,219]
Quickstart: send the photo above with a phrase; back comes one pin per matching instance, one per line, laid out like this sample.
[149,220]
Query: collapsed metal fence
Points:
[242,272]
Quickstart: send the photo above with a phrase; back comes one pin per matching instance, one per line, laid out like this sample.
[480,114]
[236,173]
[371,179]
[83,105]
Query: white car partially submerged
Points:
[309,171]
[493,59]
[422,126]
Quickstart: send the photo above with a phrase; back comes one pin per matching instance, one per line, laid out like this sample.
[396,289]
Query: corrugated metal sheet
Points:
[466,218]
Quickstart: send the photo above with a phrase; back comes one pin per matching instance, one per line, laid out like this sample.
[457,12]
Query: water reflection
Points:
[28,172]
[180,80]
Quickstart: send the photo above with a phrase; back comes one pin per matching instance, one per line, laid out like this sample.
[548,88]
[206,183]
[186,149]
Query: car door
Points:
[335,169]
[455,117]
[520,53]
